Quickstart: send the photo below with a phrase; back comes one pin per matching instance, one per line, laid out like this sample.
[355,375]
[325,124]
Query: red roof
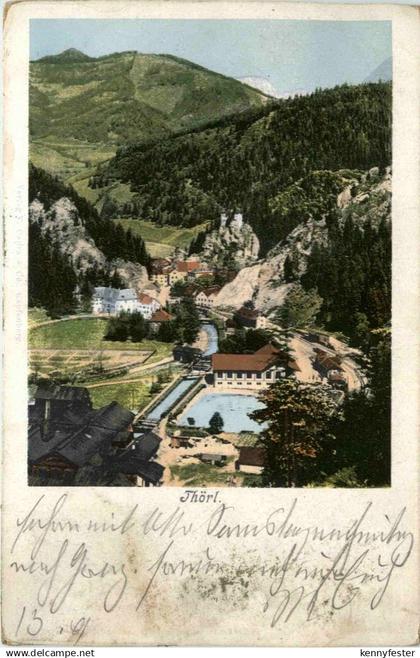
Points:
[145,299]
[161,316]
[214,290]
[261,360]
[248,313]
[187,265]
[327,361]
[252,456]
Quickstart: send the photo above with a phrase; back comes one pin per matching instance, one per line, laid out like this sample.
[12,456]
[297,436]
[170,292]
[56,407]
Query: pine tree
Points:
[297,418]
[216,423]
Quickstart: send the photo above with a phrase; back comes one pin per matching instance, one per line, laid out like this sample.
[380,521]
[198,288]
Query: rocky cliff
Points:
[233,244]
[367,195]
[62,222]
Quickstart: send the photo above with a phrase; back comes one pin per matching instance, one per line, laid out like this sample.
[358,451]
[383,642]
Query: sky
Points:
[292,55]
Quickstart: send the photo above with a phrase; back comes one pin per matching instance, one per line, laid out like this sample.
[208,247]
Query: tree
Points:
[216,423]
[168,332]
[297,418]
[363,431]
[138,327]
[300,307]
[117,329]
[187,320]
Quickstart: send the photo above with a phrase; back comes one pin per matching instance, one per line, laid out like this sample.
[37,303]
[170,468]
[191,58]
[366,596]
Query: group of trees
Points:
[109,237]
[51,277]
[249,159]
[310,441]
[183,328]
[300,308]
[245,341]
[127,326]
[352,275]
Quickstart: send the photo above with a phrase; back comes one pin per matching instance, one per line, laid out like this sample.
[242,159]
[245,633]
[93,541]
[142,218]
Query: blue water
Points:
[170,399]
[213,345]
[234,410]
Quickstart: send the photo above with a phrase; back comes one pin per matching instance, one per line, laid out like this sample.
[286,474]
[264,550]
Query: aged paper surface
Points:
[306,563]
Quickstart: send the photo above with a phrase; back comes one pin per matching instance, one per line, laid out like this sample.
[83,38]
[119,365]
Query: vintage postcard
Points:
[211,300]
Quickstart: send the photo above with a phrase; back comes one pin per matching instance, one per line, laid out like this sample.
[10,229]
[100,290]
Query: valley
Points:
[215,262]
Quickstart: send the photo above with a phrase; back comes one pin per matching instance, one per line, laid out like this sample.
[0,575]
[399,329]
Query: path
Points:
[145,368]
[80,316]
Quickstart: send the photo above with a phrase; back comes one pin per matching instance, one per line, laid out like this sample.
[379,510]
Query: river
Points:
[213,338]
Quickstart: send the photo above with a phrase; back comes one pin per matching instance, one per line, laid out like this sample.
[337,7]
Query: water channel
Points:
[185,384]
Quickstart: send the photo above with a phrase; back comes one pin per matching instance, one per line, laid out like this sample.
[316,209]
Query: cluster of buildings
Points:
[166,272]
[70,443]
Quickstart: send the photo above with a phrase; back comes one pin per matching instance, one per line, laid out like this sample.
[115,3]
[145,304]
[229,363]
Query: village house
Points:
[205,298]
[65,433]
[186,353]
[71,443]
[202,274]
[252,371]
[137,462]
[113,301]
[160,269]
[159,317]
[329,367]
[182,270]
[147,305]
[251,459]
[251,318]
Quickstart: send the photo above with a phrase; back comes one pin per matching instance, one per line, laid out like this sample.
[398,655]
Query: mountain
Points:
[69,55]
[260,83]
[245,162]
[82,108]
[342,248]
[382,73]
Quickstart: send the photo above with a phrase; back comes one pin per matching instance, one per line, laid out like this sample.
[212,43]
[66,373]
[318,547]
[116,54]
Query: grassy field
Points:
[134,395]
[85,333]
[161,240]
[70,159]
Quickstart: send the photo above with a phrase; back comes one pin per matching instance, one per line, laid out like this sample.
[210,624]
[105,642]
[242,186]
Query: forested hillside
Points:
[110,238]
[71,247]
[247,160]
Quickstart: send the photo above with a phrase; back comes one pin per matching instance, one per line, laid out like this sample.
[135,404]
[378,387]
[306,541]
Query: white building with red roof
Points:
[206,298]
[147,305]
[252,371]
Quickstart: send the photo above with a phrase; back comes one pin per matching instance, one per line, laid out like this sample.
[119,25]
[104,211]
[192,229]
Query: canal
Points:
[173,396]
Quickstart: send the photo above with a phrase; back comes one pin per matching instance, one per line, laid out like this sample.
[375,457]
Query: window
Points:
[249,375]
[259,375]
[268,374]
[239,375]
[229,375]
